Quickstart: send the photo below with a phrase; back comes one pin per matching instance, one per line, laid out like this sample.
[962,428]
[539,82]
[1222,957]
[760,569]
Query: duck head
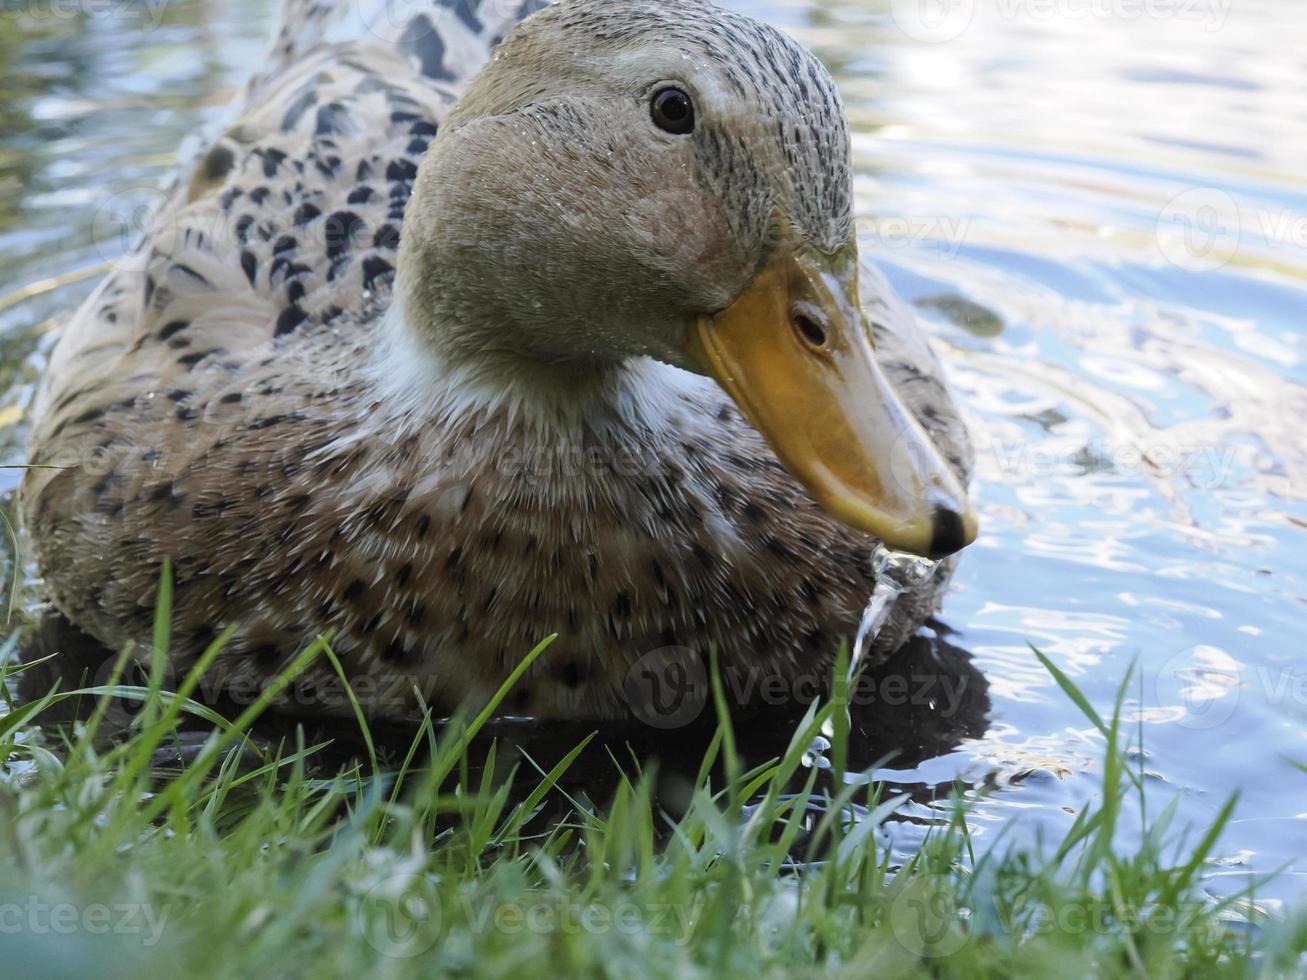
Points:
[672,180]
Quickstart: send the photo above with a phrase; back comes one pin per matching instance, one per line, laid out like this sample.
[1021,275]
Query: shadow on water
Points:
[921,704]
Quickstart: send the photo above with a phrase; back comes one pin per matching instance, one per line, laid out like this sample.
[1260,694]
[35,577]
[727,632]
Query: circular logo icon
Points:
[400,917]
[1198,687]
[667,688]
[933,21]
[132,686]
[675,227]
[909,457]
[122,221]
[1199,230]
[924,918]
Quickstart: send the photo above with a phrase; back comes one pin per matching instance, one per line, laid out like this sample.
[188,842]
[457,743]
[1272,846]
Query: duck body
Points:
[243,397]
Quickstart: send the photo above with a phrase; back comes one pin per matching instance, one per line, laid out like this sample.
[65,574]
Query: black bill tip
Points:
[948,534]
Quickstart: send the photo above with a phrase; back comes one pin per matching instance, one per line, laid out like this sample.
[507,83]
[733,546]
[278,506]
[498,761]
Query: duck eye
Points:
[673,111]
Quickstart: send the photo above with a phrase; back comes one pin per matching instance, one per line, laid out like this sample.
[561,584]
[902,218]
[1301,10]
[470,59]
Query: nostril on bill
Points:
[809,329]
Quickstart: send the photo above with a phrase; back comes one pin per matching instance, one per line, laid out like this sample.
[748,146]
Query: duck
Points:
[492,323]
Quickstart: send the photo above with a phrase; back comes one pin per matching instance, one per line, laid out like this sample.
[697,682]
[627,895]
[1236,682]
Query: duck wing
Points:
[290,216]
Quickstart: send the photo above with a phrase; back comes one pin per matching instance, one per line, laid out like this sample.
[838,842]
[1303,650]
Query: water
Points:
[896,572]
[1099,209]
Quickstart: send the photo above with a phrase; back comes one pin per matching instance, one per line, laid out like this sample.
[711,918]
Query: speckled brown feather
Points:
[206,405]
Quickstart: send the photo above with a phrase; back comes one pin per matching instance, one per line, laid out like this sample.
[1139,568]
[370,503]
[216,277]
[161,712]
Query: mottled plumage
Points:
[243,396]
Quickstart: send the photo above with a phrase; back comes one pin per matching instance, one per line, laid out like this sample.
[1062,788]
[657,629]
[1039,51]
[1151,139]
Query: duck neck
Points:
[426,369]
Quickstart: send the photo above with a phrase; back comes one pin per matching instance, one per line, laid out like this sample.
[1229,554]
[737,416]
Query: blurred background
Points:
[1098,207]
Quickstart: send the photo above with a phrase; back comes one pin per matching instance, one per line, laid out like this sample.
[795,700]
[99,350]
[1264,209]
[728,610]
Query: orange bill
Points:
[795,353]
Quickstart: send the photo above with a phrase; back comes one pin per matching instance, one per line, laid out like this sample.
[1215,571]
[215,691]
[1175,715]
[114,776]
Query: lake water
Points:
[1100,208]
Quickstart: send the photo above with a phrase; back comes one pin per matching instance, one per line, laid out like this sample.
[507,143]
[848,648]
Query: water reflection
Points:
[905,715]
